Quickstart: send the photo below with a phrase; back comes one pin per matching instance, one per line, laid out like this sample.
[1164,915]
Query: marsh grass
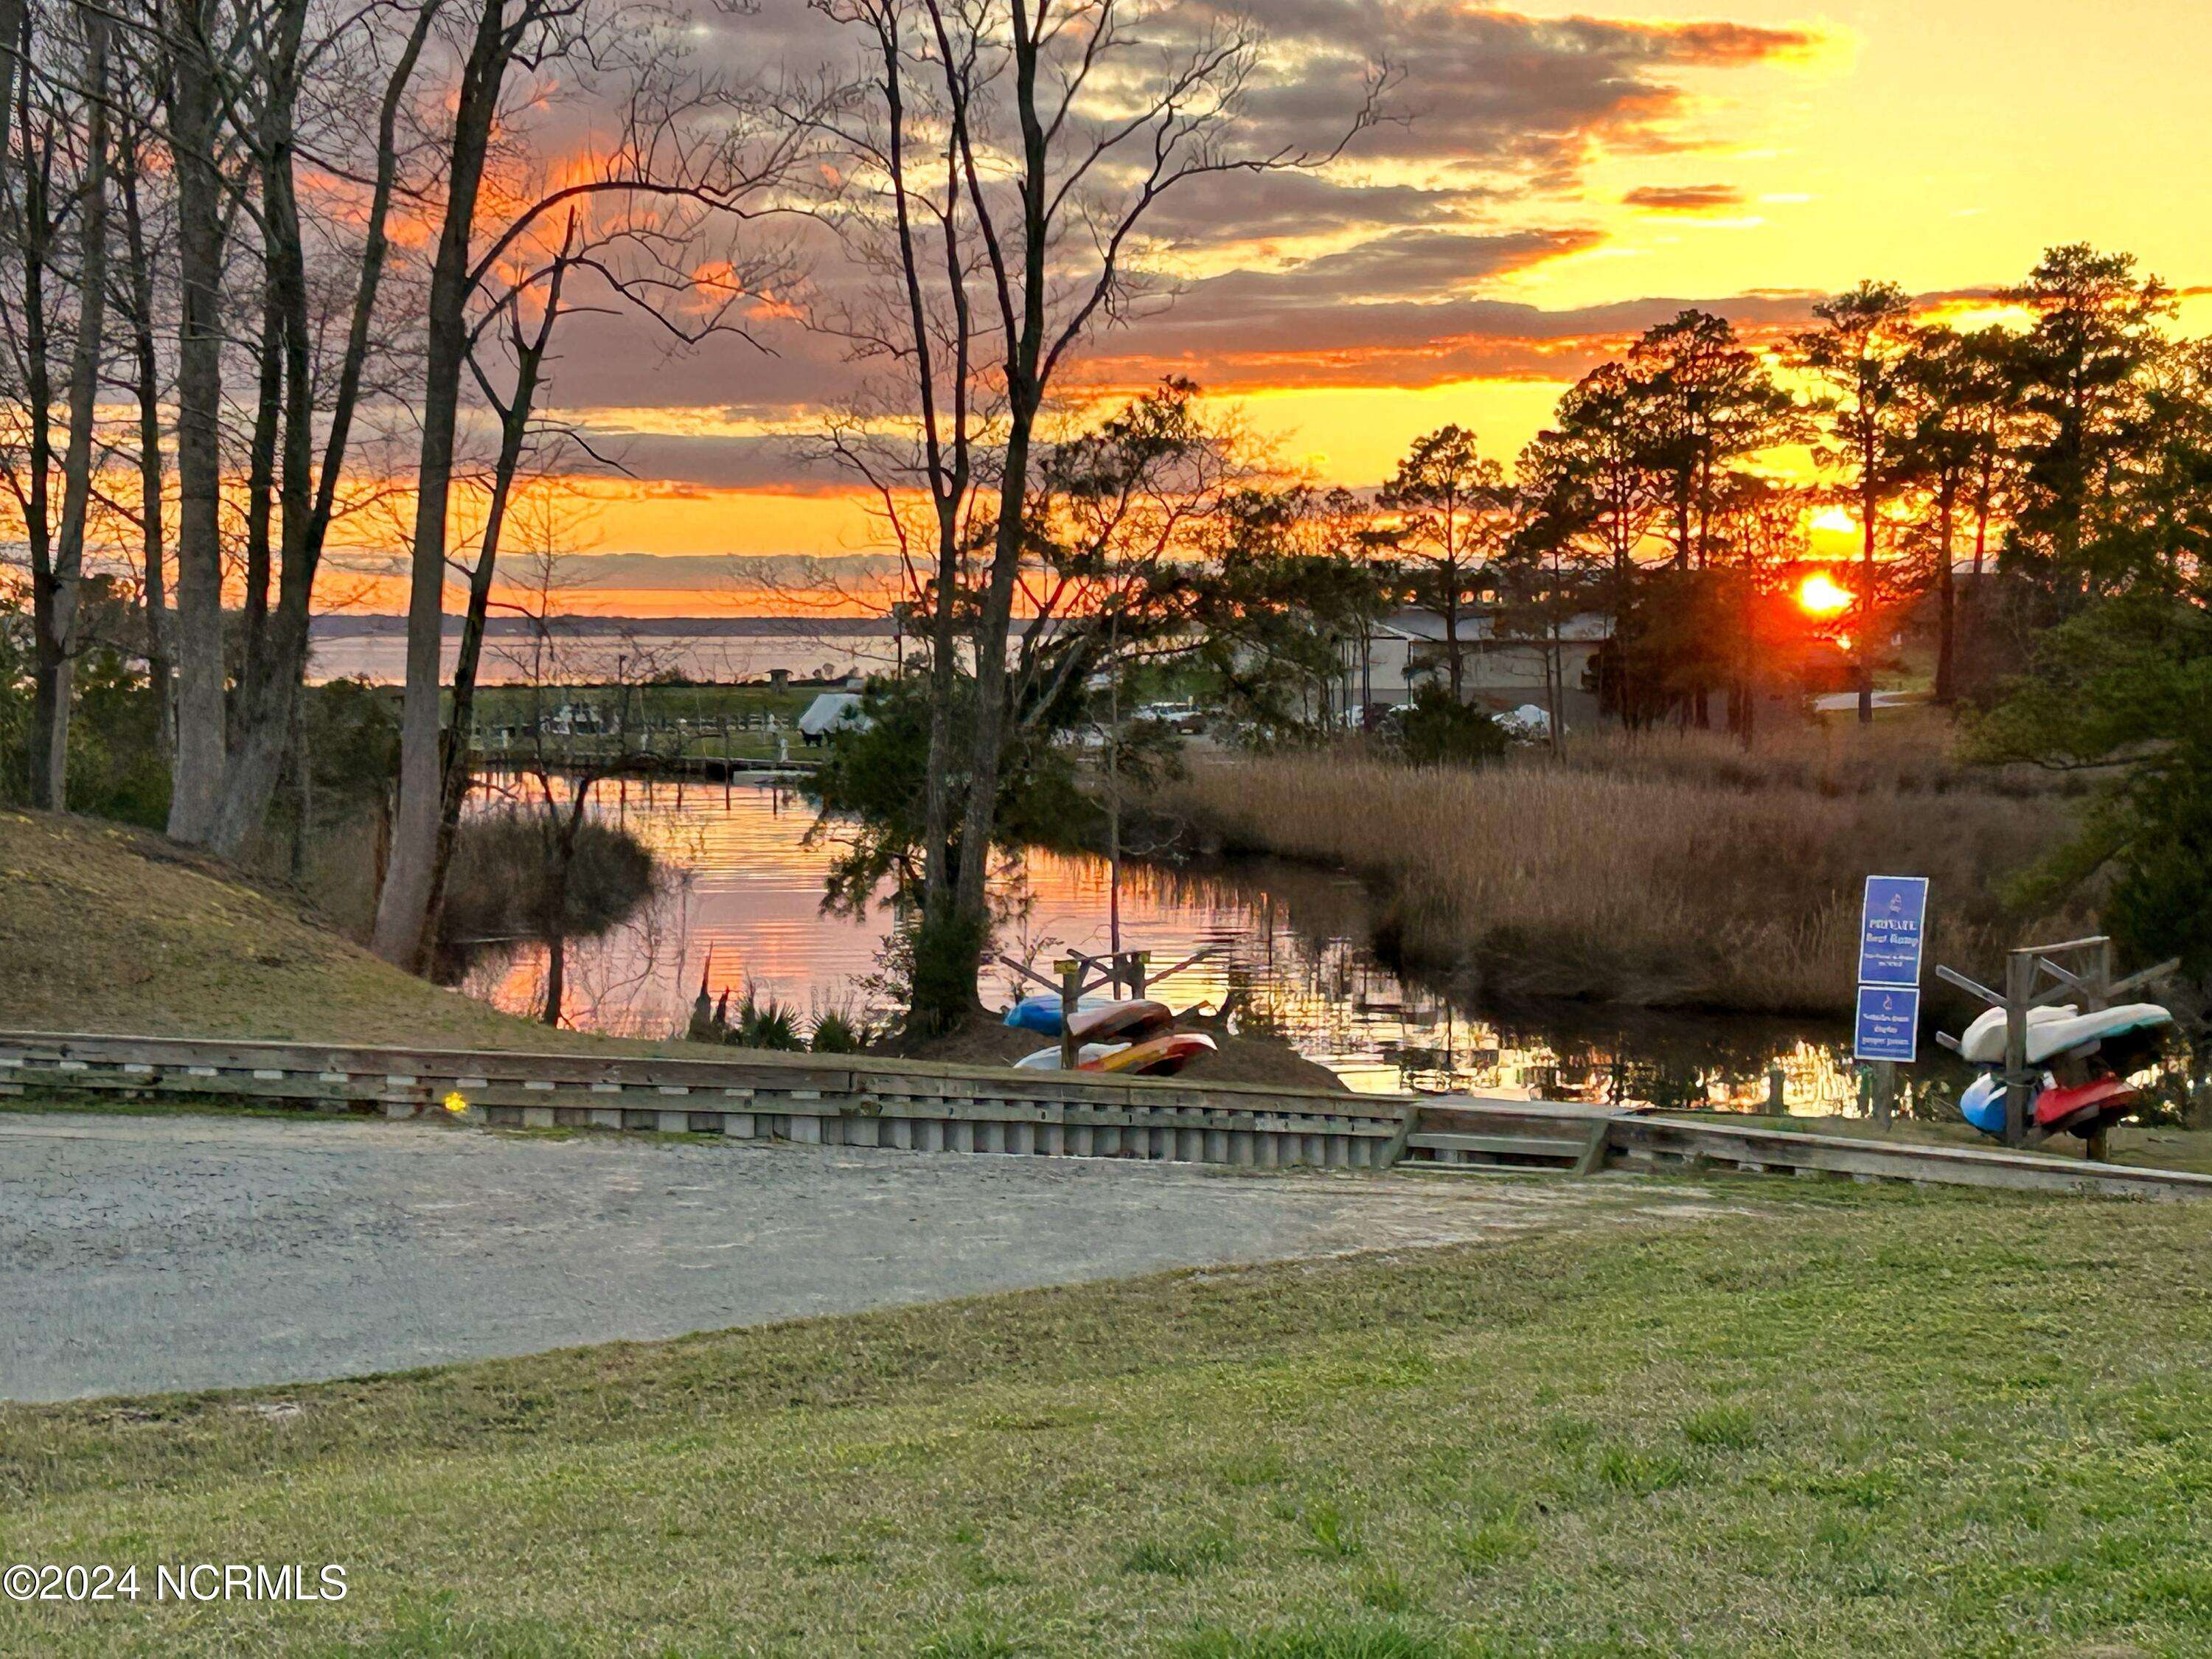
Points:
[1668,872]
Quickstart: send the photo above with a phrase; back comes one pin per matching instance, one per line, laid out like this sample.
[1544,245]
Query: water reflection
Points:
[744,891]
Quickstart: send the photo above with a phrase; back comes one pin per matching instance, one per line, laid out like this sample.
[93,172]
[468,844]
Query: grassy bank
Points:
[1676,870]
[103,928]
[1820,1421]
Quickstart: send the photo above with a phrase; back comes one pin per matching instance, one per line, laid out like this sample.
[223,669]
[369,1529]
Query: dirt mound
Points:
[1242,1059]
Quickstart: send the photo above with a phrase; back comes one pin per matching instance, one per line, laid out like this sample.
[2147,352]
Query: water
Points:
[828,649]
[741,904]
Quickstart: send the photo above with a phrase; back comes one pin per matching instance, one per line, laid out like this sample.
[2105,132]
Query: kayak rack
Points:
[1078,972]
[2089,982]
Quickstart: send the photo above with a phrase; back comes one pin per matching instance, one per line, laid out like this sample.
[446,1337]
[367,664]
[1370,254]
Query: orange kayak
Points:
[1159,1056]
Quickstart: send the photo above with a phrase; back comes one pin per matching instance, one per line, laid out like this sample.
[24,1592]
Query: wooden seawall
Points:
[854,1100]
[814,1099]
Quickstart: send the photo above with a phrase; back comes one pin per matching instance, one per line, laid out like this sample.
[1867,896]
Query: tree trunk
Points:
[146,385]
[85,360]
[1946,631]
[402,916]
[270,693]
[34,231]
[556,975]
[1866,593]
[261,467]
[456,760]
[200,694]
[11,58]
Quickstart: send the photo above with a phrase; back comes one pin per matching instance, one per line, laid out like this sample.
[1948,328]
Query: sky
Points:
[1560,177]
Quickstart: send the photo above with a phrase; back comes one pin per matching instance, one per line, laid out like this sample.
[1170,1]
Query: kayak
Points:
[2085,1105]
[1041,1013]
[1091,1057]
[1982,1104]
[1160,1056]
[2064,1030]
[1120,1022]
[2076,1107]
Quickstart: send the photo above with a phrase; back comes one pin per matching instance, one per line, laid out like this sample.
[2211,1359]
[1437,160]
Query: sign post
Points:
[1892,928]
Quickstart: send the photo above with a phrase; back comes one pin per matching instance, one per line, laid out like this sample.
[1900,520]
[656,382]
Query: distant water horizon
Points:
[597,650]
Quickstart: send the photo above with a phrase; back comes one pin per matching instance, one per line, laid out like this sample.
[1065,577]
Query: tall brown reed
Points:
[1643,875]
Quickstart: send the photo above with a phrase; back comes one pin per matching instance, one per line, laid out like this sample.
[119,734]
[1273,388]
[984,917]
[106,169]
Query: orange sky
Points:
[1577,172]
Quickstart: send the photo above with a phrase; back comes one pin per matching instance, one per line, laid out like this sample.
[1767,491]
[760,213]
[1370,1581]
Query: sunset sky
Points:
[1566,177]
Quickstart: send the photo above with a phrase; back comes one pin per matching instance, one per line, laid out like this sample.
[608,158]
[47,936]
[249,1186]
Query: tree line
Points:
[279,278]
[283,278]
[2023,486]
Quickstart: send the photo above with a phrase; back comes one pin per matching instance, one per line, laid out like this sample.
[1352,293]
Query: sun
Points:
[1821,595]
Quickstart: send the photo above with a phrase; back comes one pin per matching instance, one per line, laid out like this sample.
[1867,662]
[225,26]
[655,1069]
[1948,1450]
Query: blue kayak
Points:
[1041,1013]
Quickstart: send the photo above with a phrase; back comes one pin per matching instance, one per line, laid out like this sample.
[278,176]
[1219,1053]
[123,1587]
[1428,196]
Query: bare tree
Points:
[309,485]
[135,301]
[1005,156]
[57,641]
[683,140]
[557,768]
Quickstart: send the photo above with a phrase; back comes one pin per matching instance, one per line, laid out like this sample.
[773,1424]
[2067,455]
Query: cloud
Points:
[1489,92]
[1408,343]
[1383,268]
[1685,199]
[1246,207]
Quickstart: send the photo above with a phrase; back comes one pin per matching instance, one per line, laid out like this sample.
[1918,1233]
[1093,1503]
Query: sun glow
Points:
[1821,595]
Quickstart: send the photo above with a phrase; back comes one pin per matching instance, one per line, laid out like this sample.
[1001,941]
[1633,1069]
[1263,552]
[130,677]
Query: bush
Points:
[1439,730]
[770,1024]
[836,1032]
[500,886]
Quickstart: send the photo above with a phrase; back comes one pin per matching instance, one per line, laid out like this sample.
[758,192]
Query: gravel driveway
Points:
[140,1254]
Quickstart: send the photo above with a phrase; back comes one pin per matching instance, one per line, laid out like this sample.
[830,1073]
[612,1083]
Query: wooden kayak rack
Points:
[2087,982]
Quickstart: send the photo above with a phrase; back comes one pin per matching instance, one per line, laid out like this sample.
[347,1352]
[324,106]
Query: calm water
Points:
[744,890]
[803,652]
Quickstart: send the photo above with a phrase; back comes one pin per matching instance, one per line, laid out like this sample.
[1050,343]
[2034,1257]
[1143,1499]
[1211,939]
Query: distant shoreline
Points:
[377,626]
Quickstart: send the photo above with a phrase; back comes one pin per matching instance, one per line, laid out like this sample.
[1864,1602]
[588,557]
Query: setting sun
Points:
[1821,595]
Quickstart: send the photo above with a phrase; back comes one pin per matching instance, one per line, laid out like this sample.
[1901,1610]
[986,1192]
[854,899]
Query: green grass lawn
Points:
[1822,1419]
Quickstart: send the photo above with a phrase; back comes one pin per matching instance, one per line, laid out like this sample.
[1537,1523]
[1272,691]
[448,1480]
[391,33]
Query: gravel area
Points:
[142,1254]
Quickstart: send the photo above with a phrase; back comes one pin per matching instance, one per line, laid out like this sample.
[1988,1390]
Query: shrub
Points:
[836,1032]
[770,1024]
[1439,730]
[500,885]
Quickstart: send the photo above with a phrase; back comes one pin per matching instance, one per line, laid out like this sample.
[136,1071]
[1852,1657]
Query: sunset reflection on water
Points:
[744,892]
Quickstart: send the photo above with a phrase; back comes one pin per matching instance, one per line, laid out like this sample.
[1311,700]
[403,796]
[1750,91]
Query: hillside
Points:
[106,928]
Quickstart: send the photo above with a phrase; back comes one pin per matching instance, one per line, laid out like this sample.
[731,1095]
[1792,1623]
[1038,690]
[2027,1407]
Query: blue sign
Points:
[1891,928]
[1889,1023]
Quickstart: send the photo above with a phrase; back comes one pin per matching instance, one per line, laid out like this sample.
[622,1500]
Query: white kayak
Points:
[1087,1057]
[2060,1031]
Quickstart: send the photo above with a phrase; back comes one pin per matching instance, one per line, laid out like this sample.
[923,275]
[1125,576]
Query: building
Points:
[1409,650]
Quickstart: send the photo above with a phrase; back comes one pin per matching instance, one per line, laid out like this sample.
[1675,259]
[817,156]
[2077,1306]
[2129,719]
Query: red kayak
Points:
[2081,1107]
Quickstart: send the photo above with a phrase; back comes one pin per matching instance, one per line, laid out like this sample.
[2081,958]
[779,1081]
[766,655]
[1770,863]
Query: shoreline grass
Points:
[1823,1419]
[108,928]
[1674,872]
